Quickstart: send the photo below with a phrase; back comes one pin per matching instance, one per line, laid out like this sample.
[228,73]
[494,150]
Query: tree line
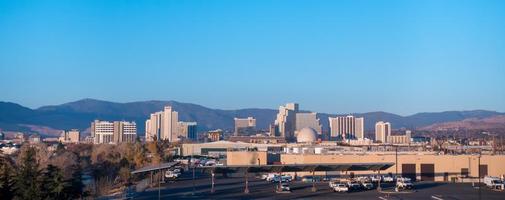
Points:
[25,179]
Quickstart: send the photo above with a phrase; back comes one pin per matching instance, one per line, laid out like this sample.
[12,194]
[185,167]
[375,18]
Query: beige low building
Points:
[417,165]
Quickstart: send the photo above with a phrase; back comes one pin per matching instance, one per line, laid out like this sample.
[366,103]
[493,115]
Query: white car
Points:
[388,179]
[340,187]
[332,184]
[494,182]
[285,187]
[283,178]
[270,176]
[172,175]
[376,178]
[404,184]
[367,185]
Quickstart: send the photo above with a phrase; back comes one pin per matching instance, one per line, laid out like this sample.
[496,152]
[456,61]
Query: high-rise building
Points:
[359,128]
[188,130]
[105,132]
[163,125]
[348,127]
[308,120]
[286,121]
[72,136]
[382,131]
[245,126]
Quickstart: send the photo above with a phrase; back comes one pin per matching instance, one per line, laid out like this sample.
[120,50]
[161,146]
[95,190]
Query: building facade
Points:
[286,121]
[215,135]
[348,127]
[72,136]
[245,126]
[382,131]
[188,130]
[400,139]
[308,120]
[163,125]
[105,132]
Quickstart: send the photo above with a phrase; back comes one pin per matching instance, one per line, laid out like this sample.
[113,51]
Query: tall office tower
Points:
[308,120]
[382,131]
[153,126]
[169,124]
[359,130]
[348,127]
[286,121]
[188,130]
[273,130]
[163,125]
[105,132]
[245,126]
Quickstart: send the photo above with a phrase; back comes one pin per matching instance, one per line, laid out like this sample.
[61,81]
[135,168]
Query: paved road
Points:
[232,188]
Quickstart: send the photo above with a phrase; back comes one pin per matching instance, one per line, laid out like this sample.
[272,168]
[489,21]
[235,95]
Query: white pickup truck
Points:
[494,183]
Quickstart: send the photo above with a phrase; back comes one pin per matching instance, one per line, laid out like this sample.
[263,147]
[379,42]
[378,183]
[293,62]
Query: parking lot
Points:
[233,188]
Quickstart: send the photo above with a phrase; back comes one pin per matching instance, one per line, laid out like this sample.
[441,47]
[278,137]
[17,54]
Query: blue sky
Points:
[330,56]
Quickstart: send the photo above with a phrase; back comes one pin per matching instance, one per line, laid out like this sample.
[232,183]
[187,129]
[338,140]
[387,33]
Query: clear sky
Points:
[330,56]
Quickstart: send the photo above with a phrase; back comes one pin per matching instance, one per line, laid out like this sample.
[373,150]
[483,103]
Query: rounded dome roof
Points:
[306,135]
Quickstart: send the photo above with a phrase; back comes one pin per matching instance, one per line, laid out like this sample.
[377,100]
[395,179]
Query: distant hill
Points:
[79,114]
[489,123]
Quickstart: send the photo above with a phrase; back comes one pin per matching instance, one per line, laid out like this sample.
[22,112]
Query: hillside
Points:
[79,114]
[495,122]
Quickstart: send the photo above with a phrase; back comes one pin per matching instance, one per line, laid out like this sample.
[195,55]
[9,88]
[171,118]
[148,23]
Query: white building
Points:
[163,125]
[105,132]
[307,120]
[382,131]
[286,121]
[348,127]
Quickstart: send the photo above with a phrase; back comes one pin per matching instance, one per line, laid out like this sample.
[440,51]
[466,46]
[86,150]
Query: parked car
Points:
[367,185]
[494,183]
[354,185]
[283,178]
[340,187]
[388,179]
[310,179]
[270,176]
[376,178]
[404,184]
[284,187]
[171,174]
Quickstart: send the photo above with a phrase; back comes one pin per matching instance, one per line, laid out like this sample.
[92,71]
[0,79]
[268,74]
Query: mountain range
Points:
[79,114]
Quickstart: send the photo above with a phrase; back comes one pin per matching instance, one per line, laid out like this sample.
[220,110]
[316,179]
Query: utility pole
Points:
[480,154]
[192,165]
[396,164]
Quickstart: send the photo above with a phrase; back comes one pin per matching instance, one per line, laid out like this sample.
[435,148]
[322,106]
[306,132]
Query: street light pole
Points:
[480,154]
[396,164]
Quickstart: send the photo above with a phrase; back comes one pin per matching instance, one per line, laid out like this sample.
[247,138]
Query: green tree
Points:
[27,180]
[53,185]
[75,185]
[6,178]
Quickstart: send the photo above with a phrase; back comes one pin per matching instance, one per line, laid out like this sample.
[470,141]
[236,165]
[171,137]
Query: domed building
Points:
[306,135]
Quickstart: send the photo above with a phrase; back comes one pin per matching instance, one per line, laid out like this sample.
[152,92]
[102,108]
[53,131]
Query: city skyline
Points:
[348,57]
